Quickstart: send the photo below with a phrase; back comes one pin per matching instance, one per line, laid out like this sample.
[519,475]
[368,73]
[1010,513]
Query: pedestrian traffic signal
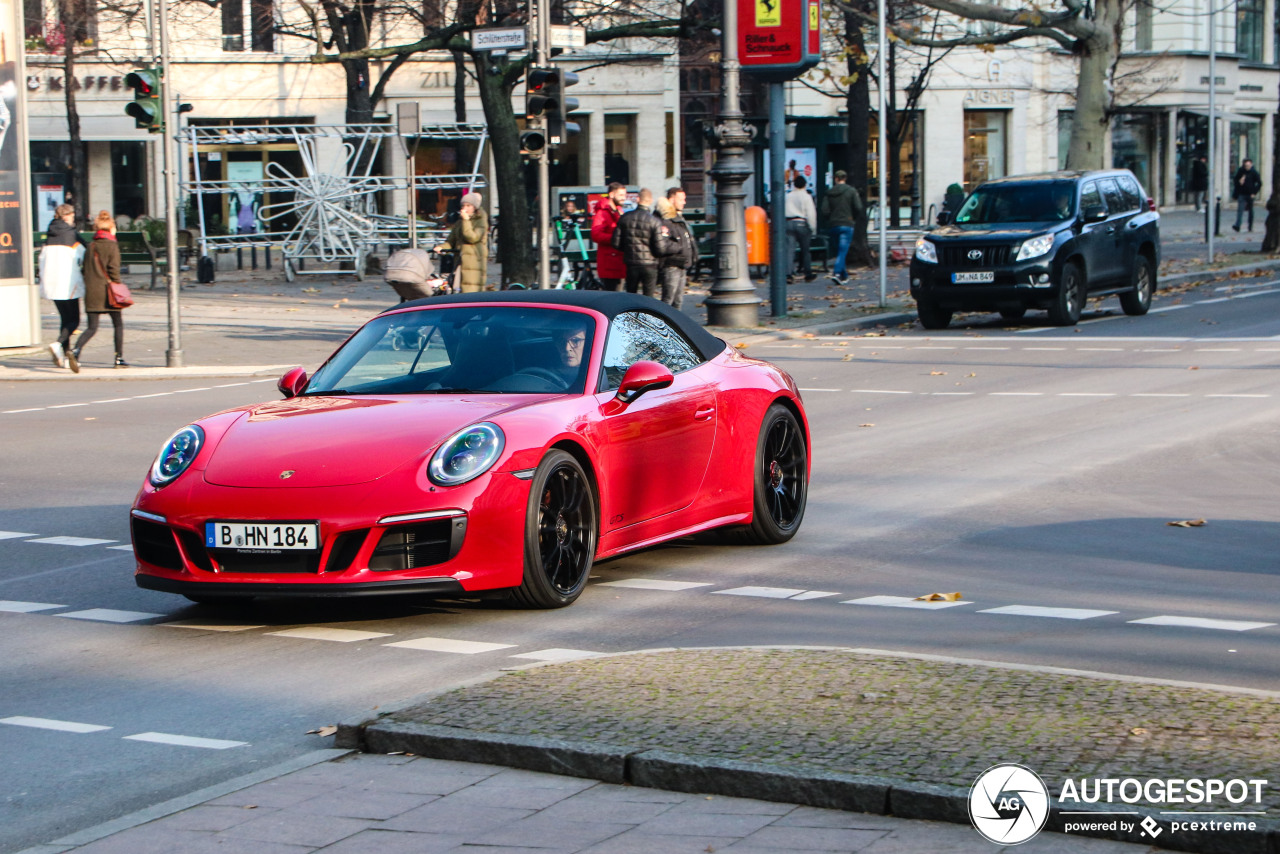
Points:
[545,98]
[533,142]
[539,85]
[146,107]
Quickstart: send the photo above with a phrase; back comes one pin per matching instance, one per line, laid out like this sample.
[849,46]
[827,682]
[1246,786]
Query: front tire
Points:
[1069,301]
[781,478]
[932,316]
[1138,301]
[560,534]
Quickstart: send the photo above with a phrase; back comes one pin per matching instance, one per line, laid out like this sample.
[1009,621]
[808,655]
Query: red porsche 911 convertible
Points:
[495,441]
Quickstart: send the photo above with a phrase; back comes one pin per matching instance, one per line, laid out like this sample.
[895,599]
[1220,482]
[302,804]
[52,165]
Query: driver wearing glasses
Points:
[570,347]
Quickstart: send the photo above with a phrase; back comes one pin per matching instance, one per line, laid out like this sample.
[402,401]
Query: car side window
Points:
[1111,192]
[1090,197]
[636,336]
[1132,192]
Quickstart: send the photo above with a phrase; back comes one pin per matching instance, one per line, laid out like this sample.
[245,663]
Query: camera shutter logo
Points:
[1008,804]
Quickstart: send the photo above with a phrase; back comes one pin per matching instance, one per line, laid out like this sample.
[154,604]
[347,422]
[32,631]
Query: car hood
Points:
[995,231]
[338,441]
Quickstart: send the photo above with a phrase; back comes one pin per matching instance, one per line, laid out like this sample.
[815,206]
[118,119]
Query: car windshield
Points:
[471,349]
[1048,201]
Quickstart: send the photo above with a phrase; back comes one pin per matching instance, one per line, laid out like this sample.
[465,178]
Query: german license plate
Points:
[262,536]
[983,277]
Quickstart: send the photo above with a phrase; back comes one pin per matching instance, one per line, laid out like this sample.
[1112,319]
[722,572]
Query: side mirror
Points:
[643,377]
[1095,213]
[944,217]
[293,382]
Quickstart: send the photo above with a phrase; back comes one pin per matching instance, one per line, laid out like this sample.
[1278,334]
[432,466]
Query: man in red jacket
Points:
[610,267]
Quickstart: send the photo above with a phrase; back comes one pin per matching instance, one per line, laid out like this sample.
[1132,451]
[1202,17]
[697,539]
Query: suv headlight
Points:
[1035,247]
[926,251]
[466,454]
[176,455]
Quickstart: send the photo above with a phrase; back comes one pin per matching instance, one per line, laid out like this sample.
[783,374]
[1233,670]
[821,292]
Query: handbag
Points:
[118,294]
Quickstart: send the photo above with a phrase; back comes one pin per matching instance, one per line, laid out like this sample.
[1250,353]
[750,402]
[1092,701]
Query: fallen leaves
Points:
[937,373]
[939,597]
[323,731]
[742,345]
[866,425]
[311,290]
[1187,523]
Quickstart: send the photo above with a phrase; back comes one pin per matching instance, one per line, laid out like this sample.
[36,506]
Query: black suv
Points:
[1045,241]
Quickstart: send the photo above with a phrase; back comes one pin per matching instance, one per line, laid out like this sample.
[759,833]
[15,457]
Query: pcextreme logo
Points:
[1008,804]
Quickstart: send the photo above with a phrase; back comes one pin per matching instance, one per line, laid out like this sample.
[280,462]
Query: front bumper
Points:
[1030,284]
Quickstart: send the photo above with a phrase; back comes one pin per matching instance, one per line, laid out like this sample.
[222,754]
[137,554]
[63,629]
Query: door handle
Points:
[704,414]
[1111,230]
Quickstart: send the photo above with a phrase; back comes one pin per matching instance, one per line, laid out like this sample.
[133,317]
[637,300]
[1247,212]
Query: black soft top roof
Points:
[608,303]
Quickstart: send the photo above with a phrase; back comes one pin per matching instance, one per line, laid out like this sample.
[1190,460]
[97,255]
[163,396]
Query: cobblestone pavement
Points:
[904,718]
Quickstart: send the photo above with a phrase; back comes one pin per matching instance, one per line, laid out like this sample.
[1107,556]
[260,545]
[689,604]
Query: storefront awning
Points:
[1233,117]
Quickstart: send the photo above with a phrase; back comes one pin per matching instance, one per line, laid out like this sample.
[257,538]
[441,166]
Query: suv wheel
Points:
[1137,301]
[1069,301]
[932,316]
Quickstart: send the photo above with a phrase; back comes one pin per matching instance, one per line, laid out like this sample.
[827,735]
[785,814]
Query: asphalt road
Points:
[1031,469]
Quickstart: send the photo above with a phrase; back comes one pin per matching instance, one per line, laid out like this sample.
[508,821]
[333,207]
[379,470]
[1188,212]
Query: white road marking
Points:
[13,535]
[67,405]
[1100,349]
[763,592]
[185,740]
[1217,350]
[1162,350]
[1202,623]
[1238,395]
[1044,348]
[1057,613]
[812,594]
[655,584]
[1017,394]
[121,548]
[820,389]
[25,607]
[557,654]
[952,394]
[230,385]
[189,390]
[71,541]
[16,411]
[157,394]
[209,626]
[327,634]
[1167,308]
[462,647]
[935,348]
[108,615]
[879,391]
[902,602]
[1156,394]
[47,723]
[986,348]
[1085,394]
[113,400]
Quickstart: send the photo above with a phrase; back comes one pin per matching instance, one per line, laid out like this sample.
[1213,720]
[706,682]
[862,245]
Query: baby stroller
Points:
[411,273]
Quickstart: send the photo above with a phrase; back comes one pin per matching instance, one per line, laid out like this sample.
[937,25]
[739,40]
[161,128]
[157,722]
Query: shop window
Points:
[1143,14]
[1246,143]
[1065,119]
[128,178]
[984,146]
[695,140]
[262,22]
[1249,22]
[1192,142]
[1133,146]
[619,148]
[232,25]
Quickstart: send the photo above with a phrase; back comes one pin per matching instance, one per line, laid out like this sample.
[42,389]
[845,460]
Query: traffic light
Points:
[146,107]
[545,98]
[533,142]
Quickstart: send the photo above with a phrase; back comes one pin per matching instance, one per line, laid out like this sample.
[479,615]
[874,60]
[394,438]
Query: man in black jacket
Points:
[675,244]
[1244,186]
[637,237]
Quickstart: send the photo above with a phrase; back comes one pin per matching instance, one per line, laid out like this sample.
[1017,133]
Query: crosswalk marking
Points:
[763,592]
[1202,623]
[903,602]
[26,607]
[462,647]
[121,548]
[109,615]
[209,626]
[13,535]
[327,634]
[71,541]
[655,584]
[185,740]
[812,594]
[558,654]
[49,723]
[1039,611]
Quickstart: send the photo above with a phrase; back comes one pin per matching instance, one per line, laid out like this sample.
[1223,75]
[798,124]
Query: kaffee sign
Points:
[779,40]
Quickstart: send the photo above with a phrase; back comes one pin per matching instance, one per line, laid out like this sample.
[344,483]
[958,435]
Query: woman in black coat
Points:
[102,266]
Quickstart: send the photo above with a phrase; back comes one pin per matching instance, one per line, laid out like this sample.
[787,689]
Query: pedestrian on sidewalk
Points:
[62,281]
[1244,186]
[101,267]
[1199,180]
[675,245]
[802,222]
[637,237]
[469,240]
[611,269]
[837,209]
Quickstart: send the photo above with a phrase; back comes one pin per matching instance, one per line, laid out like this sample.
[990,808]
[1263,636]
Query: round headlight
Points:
[177,454]
[466,454]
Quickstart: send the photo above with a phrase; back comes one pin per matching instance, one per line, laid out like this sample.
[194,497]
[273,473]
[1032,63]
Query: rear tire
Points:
[1069,301]
[1138,301]
[560,534]
[932,316]
[781,477]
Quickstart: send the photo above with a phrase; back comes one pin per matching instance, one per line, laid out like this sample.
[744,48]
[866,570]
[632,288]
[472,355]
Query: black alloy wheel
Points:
[1138,301]
[932,316]
[560,533]
[1069,301]
[781,478]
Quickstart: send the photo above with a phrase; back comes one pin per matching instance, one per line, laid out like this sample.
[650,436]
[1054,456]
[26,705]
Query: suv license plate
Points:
[262,536]
[987,276]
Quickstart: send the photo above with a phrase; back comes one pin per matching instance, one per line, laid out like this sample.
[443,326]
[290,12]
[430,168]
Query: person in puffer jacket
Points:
[637,237]
[676,247]
[62,281]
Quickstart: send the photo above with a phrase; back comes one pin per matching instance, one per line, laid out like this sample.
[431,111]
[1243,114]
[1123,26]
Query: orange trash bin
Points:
[757,236]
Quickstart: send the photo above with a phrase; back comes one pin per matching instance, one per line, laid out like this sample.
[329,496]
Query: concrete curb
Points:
[673,771]
[184,802]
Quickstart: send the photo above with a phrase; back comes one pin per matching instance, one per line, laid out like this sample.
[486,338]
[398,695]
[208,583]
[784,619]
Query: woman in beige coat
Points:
[469,240]
[102,265]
